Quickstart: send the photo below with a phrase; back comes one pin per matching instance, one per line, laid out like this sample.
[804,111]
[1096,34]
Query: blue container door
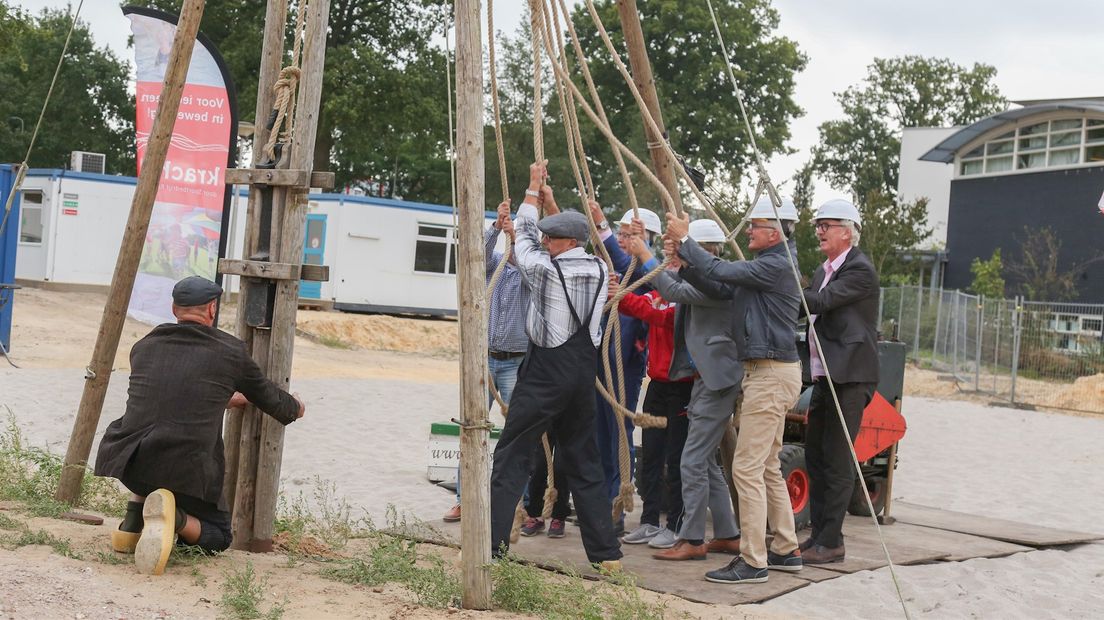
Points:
[9,239]
[314,247]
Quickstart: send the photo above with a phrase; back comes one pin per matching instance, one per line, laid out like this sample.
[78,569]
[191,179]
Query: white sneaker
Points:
[664,539]
[641,535]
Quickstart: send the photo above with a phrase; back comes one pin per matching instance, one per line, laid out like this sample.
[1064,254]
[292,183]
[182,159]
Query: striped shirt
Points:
[508,302]
[550,323]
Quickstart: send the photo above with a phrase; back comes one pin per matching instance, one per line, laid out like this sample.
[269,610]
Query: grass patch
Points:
[8,523]
[300,529]
[392,559]
[526,589]
[61,546]
[112,559]
[242,595]
[333,342]
[30,476]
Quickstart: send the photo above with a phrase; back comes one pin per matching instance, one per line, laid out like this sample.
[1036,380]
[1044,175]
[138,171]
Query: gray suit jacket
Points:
[703,333]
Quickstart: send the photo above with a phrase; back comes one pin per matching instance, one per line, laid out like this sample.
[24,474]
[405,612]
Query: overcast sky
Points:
[1041,50]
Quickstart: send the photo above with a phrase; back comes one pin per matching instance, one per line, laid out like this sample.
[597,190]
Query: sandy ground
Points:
[366,430]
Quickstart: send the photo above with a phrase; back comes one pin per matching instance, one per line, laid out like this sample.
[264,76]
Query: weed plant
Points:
[242,594]
[30,476]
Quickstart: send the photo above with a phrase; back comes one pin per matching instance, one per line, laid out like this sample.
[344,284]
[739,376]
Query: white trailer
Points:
[384,255]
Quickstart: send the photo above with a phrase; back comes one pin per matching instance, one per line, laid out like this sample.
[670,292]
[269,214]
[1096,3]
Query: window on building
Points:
[30,217]
[1056,143]
[435,249]
[1091,325]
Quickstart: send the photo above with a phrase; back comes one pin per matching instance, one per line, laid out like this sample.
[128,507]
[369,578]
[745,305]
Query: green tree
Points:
[861,151]
[889,226]
[696,97]
[90,109]
[987,276]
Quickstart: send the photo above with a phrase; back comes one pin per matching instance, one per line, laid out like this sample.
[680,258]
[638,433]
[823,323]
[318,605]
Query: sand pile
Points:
[1086,393]
[380,332]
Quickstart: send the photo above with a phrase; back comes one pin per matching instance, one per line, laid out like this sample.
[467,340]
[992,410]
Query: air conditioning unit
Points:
[83,161]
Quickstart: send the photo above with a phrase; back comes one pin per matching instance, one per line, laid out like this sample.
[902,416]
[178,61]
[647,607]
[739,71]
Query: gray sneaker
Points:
[665,539]
[641,535]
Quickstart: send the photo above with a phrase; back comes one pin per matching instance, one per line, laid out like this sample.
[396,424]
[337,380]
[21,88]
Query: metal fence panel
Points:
[1031,353]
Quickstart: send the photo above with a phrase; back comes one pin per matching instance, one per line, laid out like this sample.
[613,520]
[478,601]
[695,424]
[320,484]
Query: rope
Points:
[284,89]
[21,174]
[776,203]
[654,126]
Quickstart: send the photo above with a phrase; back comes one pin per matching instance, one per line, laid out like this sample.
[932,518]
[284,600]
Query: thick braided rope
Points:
[550,493]
[654,126]
[284,89]
[535,28]
[586,188]
[584,66]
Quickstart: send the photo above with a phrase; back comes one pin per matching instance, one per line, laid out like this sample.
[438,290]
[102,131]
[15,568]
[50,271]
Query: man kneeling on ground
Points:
[167,448]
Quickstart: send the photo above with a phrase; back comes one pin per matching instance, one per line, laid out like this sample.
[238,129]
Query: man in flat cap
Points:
[555,387]
[167,448]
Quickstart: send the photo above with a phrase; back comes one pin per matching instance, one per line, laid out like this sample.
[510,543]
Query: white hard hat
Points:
[763,210]
[839,209]
[706,231]
[649,217]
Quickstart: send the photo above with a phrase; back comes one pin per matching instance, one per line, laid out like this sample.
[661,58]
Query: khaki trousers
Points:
[770,390]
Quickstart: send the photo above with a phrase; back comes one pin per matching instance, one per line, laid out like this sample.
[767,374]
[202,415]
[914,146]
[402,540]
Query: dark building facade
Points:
[1018,172]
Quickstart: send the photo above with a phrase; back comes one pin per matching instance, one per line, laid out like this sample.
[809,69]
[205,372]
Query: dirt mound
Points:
[381,332]
[1086,393]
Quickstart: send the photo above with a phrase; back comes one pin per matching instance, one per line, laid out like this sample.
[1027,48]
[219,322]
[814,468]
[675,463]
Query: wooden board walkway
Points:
[922,535]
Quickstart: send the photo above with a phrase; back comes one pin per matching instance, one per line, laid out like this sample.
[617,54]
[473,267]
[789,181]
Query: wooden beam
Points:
[241,459]
[274,271]
[642,75]
[290,250]
[98,374]
[475,534]
[279,177]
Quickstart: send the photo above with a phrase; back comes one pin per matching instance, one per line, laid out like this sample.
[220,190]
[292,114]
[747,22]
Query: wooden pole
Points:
[642,75]
[98,373]
[272,55]
[290,250]
[475,531]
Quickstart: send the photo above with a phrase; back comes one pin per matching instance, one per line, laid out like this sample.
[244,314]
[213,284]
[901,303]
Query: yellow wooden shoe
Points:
[158,534]
[124,542]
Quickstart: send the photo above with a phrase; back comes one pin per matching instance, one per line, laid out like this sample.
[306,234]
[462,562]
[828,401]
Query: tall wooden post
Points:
[475,534]
[277,216]
[98,373]
[642,75]
[272,56]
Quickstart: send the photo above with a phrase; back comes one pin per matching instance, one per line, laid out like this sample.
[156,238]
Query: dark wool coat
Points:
[847,318]
[182,376]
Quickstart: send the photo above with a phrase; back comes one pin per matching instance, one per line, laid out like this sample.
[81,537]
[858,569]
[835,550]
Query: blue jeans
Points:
[504,373]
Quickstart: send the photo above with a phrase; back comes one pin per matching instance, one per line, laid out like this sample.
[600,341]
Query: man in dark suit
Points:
[167,448]
[843,300]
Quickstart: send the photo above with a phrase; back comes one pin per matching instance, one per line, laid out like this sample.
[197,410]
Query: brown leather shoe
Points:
[453,515]
[820,554]
[807,544]
[724,545]
[682,550]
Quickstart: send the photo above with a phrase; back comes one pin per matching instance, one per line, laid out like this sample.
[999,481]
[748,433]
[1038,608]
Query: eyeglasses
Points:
[824,226]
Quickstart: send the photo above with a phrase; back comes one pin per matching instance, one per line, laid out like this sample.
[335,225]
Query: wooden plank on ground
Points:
[988,527]
[961,546]
[864,549]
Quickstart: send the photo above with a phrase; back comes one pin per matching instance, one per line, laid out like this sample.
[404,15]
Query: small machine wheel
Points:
[792,458]
[876,488]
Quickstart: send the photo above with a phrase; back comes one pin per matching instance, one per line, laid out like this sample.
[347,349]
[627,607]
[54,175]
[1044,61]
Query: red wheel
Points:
[792,460]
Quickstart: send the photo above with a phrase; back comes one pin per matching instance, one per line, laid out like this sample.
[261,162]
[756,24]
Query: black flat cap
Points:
[195,291]
[566,225]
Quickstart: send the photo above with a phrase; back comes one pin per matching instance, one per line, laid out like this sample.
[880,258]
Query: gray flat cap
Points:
[195,291]
[566,225]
